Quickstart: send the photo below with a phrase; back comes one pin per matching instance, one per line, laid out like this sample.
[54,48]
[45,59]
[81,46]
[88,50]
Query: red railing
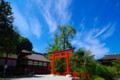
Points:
[76,74]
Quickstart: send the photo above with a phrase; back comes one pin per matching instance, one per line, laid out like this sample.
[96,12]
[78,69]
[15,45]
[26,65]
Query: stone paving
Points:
[41,77]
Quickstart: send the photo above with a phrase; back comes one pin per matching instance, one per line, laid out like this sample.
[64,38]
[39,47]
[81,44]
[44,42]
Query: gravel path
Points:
[42,77]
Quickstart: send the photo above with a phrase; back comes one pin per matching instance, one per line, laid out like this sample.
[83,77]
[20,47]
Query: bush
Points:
[85,63]
[98,78]
[96,69]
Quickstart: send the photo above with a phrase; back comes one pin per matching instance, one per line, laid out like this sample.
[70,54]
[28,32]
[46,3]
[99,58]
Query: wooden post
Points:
[53,64]
[67,63]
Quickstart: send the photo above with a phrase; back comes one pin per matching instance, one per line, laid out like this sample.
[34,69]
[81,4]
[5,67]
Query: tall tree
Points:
[8,35]
[66,33]
[62,39]
[55,46]
[24,44]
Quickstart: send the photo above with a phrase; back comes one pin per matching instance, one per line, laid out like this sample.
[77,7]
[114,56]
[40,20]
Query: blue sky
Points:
[96,23]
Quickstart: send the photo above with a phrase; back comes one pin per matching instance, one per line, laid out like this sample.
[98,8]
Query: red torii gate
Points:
[61,54]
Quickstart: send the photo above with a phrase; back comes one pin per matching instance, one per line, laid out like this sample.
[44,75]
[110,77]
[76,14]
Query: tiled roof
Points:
[38,57]
[113,56]
[25,51]
[35,56]
[30,55]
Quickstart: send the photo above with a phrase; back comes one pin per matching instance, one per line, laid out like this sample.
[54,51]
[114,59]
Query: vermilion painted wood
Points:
[61,54]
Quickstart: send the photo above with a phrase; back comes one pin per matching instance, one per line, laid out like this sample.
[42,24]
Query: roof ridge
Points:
[111,54]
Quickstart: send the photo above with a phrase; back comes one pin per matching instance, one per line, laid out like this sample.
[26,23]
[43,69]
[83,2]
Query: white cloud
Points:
[55,12]
[62,10]
[106,31]
[28,26]
[102,30]
[35,27]
[20,22]
[89,40]
[110,31]
[50,21]
[82,24]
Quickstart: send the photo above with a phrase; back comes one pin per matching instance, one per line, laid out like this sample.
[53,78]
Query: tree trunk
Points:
[6,59]
[5,65]
[64,44]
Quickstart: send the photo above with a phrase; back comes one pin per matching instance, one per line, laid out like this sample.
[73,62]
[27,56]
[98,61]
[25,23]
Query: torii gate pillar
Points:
[53,64]
[68,64]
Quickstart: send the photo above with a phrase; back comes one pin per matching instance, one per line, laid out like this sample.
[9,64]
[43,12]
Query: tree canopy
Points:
[62,38]
[24,44]
[80,58]
[66,33]
[8,34]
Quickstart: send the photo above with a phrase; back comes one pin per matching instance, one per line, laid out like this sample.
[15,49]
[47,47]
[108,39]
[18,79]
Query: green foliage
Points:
[24,44]
[116,64]
[60,65]
[111,69]
[77,59]
[96,69]
[55,46]
[98,78]
[8,34]
[80,59]
[106,72]
[61,41]
[66,33]
[82,62]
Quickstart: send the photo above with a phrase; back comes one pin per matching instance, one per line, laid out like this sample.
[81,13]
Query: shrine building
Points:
[26,63]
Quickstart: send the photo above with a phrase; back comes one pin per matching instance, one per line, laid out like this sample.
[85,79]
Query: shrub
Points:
[98,78]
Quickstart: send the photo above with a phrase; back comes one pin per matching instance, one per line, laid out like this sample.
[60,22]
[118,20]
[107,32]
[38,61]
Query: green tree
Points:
[24,44]
[8,34]
[77,59]
[81,58]
[55,46]
[62,39]
[82,61]
[66,33]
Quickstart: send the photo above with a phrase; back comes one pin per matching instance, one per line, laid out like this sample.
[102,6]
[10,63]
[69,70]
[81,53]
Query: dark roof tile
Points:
[113,56]
[38,57]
